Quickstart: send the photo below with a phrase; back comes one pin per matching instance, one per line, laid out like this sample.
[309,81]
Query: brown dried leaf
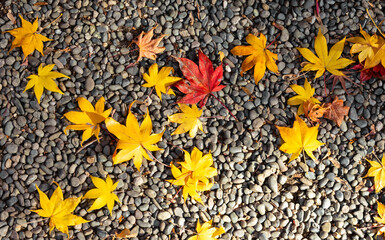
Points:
[313,111]
[336,111]
[125,233]
[11,17]
[40,4]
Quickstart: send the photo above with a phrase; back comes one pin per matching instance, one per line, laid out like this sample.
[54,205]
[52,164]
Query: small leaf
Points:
[148,47]
[336,111]
[299,138]
[27,37]
[58,210]
[377,170]
[89,119]
[44,79]
[259,56]
[207,232]
[200,81]
[305,94]
[125,233]
[103,193]
[188,120]
[313,111]
[134,140]
[160,79]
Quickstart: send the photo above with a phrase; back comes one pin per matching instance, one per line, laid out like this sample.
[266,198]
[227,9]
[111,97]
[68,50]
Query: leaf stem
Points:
[176,194]
[61,14]
[153,157]
[106,130]
[274,40]
[88,144]
[35,221]
[131,65]
[224,106]
[217,117]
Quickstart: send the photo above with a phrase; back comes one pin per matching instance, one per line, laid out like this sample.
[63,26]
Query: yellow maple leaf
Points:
[195,174]
[44,79]
[260,57]
[300,138]
[305,94]
[160,79]
[367,46]
[377,170]
[58,210]
[28,38]
[188,120]
[381,218]
[207,232]
[148,47]
[325,61]
[89,119]
[103,193]
[134,140]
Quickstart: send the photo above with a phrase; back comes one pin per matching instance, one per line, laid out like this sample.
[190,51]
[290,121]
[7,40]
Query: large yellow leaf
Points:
[134,140]
[367,46]
[381,218]
[44,79]
[148,47]
[160,79]
[305,94]
[58,210]
[89,119]
[195,174]
[377,170]
[259,56]
[103,193]
[300,138]
[325,61]
[207,231]
[27,38]
[188,120]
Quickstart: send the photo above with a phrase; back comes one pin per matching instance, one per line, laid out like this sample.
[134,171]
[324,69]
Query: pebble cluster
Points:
[257,195]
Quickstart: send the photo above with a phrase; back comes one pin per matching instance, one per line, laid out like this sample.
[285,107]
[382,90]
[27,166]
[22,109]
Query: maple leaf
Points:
[126,233]
[381,218]
[58,210]
[304,94]
[200,82]
[134,140]
[28,38]
[194,174]
[341,79]
[377,170]
[377,71]
[89,119]
[336,111]
[299,138]
[44,79]
[160,80]
[207,232]
[325,61]
[103,193]
[260,57]
[313,111]
[148,48]
[188,120]
[367,46]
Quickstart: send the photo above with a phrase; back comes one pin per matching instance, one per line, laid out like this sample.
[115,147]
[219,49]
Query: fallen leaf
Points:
[377,71]
[188,120]
[200,82]
[134,140]
[325,61]
[367,46]
[207,232]
[305,94]
[40,4]
[341,79]
[148,47]
[103,193]
[381,218]
[336,111]
[195,174]
[89,119]
[58,210]
[221,56]
[260,57]
[28,38]
[313,111]
[377,170]
[299,139]
[160,79]
[44,79]
[11,17]
[125,233]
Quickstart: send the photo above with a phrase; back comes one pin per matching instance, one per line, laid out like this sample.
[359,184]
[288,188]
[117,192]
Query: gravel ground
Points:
[257,195]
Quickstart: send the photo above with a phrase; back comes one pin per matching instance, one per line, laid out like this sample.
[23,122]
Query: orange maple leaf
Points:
[314,111]
[149,48]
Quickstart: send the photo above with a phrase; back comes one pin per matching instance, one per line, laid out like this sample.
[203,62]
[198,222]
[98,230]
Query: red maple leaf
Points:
[367,74]
[200,82]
